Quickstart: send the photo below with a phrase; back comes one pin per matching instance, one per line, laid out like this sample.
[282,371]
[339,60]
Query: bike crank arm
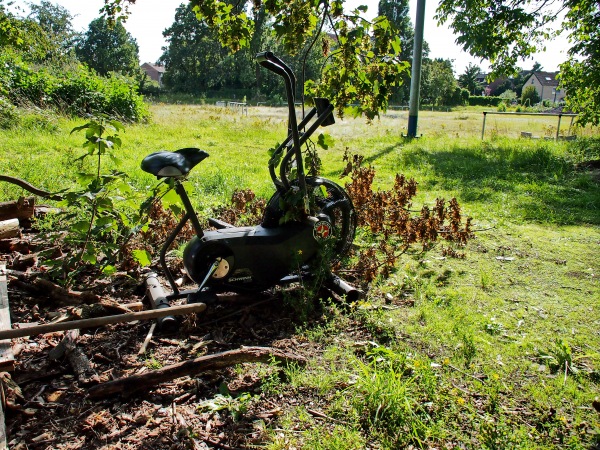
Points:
[210,273]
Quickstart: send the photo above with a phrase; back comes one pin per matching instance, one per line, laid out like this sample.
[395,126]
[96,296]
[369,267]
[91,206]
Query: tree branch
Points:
[30,188]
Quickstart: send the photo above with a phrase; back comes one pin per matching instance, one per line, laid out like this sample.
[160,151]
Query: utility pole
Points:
[415,78]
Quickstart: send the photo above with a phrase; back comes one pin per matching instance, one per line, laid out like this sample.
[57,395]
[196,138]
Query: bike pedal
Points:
[205,296]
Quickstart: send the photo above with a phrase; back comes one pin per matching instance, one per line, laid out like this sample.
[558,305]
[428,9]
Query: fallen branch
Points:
[202,364]
[22,209]
[64,297]
[101,321]
[147,340]
[30,188]
[80,363]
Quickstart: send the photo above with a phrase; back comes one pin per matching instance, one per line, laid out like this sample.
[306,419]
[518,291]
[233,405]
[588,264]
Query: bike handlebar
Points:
[271,62]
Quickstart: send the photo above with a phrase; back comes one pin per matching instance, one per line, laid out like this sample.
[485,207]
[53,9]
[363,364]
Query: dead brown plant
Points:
[394,225]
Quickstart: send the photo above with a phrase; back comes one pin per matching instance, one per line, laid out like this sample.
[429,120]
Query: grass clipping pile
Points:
[47,398]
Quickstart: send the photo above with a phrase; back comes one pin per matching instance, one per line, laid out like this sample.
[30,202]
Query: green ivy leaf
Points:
[82,226]
[325,141]
[109,270]
[142,257]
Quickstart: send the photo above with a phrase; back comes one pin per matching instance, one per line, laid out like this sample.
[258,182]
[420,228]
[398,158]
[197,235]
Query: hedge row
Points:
[75,91]
[477,100]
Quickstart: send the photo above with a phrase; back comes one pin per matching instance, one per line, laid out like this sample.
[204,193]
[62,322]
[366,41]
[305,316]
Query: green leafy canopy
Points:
[365,61]
[504,31]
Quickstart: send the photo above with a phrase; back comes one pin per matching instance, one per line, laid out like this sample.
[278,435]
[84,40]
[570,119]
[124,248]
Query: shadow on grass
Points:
[531,182]
[381,153]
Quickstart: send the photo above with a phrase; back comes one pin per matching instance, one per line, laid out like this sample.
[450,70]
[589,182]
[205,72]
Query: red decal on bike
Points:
[322,230]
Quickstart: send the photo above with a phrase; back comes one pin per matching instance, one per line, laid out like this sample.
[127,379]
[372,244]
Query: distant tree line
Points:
[337,54]
[195,61]
[45,63]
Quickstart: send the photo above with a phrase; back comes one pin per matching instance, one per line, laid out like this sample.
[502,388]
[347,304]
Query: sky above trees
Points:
[150,18]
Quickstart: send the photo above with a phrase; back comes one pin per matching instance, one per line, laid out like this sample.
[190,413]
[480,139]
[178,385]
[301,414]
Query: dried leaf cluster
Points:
[161,222]
[395,227]
[245,208]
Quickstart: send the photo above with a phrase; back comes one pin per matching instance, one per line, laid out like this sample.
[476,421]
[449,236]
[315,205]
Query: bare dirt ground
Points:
[48,407]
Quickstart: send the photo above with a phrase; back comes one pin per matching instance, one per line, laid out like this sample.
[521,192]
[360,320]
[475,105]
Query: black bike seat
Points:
[173,164]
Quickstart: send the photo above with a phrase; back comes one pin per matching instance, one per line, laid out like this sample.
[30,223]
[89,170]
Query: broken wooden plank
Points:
[217,361]
[9,228]
[7,359]
[101,321]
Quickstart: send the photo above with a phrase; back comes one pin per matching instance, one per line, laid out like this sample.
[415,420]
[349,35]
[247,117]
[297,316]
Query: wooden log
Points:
[7,358]
[63,295]
[9,228]
[23,209]
[101,321]
[15,245]
[217,361]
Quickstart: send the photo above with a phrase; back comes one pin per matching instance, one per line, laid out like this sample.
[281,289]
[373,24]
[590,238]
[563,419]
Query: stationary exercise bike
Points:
[285,246]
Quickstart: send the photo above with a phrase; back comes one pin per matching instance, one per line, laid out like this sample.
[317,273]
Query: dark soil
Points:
[47,406]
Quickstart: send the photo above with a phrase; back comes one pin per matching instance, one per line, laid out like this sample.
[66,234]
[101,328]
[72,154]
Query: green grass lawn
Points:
[497,350]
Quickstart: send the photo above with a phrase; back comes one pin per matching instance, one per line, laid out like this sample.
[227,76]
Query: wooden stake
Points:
[147,340]
[100,321]
[204,363]
[7,359]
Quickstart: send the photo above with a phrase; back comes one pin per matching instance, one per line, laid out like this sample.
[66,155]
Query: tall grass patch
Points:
[496,350]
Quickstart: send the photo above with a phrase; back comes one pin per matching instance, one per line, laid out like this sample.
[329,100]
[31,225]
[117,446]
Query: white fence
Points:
[243,107]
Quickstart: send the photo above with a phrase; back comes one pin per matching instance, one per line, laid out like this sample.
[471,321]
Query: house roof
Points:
[158,68]
[547,78]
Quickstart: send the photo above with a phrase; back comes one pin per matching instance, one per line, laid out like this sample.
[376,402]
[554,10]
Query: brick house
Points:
[546,85]
[155,72]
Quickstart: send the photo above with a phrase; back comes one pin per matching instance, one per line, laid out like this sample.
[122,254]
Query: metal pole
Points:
[415,78]
[558,127]
[483,127]
[571,125]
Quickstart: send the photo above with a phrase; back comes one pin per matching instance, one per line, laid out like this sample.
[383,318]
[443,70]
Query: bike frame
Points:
[322,115]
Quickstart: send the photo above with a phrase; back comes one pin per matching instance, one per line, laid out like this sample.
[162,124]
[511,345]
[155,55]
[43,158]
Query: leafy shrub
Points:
[478,100]
[9,116]
[508,96]
[150,88]
[530,96]
[77,91]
